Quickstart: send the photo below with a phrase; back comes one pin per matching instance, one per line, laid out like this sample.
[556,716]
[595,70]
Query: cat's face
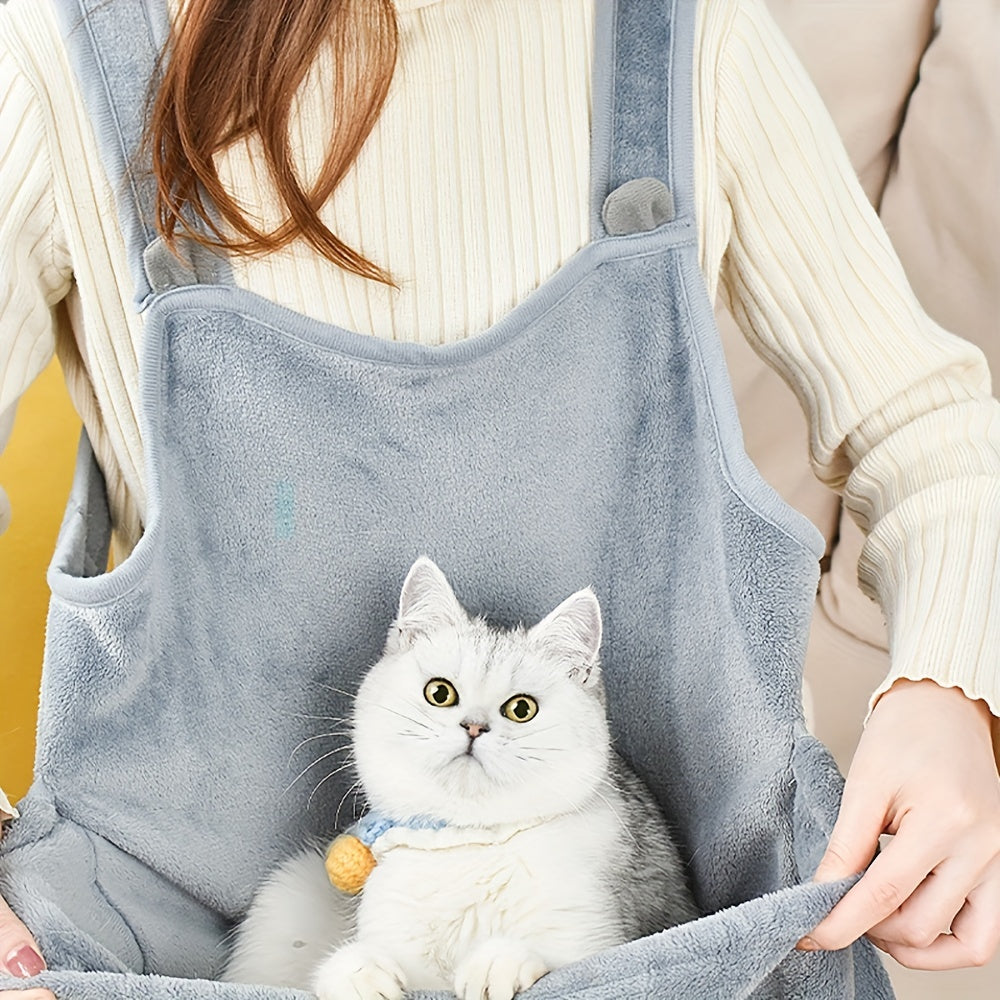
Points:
[475,726]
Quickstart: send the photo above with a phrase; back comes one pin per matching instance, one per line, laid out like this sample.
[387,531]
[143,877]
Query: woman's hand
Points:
[19,954]
[925,772]
[15,961]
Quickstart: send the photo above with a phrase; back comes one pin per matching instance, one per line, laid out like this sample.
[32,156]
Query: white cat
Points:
[513,839]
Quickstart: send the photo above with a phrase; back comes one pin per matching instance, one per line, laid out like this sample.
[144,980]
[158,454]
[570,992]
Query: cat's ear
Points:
[426,602]
[572,635]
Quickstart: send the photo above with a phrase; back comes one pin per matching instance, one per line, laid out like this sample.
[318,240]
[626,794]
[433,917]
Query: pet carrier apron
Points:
[295,471]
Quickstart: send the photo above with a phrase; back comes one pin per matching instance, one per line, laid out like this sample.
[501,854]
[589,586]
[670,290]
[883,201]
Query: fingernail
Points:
[807,944]
[24,963]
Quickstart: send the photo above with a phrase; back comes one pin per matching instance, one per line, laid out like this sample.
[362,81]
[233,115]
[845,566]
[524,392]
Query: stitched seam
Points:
[686,239]
[128,175]
[88,837]
[723,462]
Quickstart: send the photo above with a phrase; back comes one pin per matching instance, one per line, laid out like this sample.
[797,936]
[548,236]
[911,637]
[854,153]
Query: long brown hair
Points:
[232,68]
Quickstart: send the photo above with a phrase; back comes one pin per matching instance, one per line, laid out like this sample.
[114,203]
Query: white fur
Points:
[520,880]
[295,917]
[447,917]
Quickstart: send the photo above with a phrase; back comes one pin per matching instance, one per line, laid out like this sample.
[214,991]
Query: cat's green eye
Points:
[441,693]
[520,708]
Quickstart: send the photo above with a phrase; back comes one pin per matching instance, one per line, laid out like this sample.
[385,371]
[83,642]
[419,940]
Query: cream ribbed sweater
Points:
[473,189]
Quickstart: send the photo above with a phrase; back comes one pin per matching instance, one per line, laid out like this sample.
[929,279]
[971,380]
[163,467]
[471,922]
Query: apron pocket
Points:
[93,907]
[78,573]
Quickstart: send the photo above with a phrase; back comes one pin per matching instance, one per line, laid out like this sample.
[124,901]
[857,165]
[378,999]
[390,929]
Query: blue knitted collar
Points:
[372,825]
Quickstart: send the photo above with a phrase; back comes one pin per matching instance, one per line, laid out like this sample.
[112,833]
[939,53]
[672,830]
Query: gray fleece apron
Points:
[296,469]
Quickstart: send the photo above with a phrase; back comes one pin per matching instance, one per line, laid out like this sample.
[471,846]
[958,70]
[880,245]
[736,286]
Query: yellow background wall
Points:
[36,470]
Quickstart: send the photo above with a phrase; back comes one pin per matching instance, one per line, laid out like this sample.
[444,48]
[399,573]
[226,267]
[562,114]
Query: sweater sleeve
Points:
[35,273]
[901,418]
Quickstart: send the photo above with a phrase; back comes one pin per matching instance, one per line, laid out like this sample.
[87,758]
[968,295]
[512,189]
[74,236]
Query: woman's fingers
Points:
[885,887]
[855,835]
[925,773]
[19,954]
[933,908]
[974,937]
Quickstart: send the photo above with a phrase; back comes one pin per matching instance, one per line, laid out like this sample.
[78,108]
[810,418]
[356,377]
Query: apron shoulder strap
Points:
[642,122]
[114,49]
[643,139]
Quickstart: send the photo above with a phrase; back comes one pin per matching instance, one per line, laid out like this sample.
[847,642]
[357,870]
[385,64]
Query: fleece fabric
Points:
[297,470]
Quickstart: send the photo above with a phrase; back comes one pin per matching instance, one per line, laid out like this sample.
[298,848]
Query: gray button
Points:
[638,206]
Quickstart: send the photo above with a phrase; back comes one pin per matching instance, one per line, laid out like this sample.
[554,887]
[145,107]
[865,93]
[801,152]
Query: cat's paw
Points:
[498,969]
[355,972]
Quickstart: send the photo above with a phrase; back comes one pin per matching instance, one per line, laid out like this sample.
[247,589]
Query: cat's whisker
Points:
[356,792]
[309,767]
[561,795]
[336,690]
[697,852]
[356,788]
[408,718]
[317,736]
[604,780]
[342,718]
[380,706]
[614,812]
[336,771]
[532,733]
[321,718]
[357,697]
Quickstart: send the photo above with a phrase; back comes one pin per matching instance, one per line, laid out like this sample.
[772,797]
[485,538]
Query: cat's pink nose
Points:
[475,729]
